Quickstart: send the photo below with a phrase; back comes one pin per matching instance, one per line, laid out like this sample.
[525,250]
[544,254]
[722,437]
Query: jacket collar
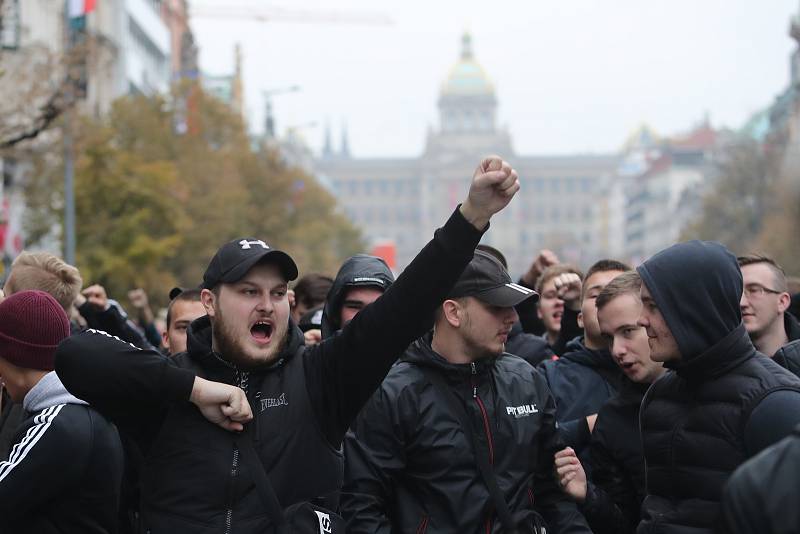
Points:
[791,325]
[421,353]
[720,358]
[578,352]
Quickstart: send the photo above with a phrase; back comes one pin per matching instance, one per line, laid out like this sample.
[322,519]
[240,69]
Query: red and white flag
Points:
[79,8]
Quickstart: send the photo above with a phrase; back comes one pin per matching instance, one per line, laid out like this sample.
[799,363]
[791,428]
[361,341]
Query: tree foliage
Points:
[152,205]
[753,205]
[733,208]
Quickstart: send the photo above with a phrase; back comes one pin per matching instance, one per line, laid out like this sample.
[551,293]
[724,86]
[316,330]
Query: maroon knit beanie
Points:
[32,324]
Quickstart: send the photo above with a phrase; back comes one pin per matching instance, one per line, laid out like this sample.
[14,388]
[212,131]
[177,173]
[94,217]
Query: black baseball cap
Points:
[487,280]
[235,258]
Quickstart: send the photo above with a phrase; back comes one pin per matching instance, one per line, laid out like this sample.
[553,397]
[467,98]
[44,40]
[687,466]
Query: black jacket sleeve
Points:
[560,513]
[344,370]
[576,433]
[771,420]
[130,386]
[569,331]
[375,452]
[528,315]
[112,321]
[611,505]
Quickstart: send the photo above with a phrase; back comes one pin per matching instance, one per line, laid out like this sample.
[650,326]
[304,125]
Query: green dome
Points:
[467,77]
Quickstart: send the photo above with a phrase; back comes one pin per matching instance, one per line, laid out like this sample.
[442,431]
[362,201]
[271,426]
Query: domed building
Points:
[401,201]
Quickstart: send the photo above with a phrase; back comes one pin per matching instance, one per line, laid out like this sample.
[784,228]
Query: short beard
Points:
[230,349]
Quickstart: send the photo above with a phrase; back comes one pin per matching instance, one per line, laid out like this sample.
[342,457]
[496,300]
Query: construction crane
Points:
[272,13]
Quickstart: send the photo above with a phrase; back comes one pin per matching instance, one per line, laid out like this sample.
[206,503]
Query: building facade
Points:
[402,200]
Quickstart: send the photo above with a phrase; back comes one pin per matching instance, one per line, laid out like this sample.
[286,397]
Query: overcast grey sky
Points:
[570,75]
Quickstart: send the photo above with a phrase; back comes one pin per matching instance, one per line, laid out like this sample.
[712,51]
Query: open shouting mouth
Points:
[261,332]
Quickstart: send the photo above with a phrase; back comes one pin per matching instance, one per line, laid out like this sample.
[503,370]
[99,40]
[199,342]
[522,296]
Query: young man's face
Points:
[587,319]
[663,347]
[627,341]
[550,308]
[250,318]
[182,314]
[355,299]
[762,307]
[484,328]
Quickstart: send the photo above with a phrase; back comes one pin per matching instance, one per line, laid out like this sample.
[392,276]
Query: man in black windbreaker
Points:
[719,403]
[248,353]
[409,464]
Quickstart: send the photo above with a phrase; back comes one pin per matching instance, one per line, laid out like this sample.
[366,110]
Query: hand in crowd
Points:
[571,476]
[95,295]
[222,404]
[494,184]
[568,287]
[545,259]
[313,336]
[138,298]
[140,302]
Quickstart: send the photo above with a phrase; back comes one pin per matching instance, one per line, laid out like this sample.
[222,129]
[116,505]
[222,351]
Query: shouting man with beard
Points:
[246,353]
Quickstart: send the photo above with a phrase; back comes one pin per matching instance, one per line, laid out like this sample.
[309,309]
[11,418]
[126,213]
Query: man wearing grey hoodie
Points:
[64,471]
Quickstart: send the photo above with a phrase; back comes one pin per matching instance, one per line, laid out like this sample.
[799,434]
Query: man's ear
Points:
[165,339]
[451,310]
[580,319]
[784,300]
[209,300]
[539,312]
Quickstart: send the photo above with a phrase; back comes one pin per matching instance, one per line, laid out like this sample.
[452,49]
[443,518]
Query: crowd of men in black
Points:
[453,399]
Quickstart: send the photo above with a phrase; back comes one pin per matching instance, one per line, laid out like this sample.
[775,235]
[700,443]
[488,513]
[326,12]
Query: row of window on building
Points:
[384,216]
[400,187]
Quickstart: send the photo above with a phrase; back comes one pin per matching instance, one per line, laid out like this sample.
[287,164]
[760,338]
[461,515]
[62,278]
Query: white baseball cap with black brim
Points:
[235,258]
[488,281]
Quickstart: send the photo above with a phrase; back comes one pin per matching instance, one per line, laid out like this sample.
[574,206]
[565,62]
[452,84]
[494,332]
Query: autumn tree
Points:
[734,206]
[153,205]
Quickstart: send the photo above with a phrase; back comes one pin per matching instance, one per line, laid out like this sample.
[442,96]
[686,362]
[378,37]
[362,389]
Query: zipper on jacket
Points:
[234,474]
[255,415]
[484,415]
[241,381]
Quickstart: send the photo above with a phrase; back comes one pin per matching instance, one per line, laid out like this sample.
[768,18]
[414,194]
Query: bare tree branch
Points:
[49,112]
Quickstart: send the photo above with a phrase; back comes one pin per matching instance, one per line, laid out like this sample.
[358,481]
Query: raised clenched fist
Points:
[494,184]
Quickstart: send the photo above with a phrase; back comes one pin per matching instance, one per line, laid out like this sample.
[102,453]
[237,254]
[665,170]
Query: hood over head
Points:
[361,270]
[697,287]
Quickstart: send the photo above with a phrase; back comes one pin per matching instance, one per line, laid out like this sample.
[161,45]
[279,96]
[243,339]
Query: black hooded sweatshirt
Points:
[582,380]
[719,403]
[193,479]
[361,270]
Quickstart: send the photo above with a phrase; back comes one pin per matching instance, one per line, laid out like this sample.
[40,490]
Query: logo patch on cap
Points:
[245,244]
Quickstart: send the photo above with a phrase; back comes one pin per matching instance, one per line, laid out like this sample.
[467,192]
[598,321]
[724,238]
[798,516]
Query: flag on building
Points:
[79,8]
